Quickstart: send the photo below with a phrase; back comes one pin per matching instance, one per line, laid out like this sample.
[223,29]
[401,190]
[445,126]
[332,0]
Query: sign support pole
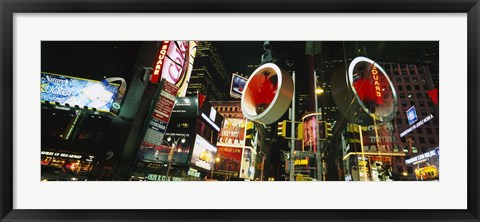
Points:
[317,130]
[292,130]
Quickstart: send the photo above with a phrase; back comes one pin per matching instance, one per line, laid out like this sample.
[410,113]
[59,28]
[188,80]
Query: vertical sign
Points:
[157,125]
[159,62]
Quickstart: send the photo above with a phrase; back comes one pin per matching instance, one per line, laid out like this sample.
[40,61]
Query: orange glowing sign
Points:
[376,84]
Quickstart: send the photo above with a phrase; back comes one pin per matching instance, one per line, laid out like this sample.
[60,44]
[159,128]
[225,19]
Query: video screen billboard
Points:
[76,91]
[310,132]
[203,154]
[238,84]
[150,152]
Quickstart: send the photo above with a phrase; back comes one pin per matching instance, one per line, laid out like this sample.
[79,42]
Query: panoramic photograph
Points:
[258,111]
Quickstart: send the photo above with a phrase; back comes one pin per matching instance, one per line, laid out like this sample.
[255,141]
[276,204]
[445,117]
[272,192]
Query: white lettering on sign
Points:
[421,157]
[428,118]
[66,155]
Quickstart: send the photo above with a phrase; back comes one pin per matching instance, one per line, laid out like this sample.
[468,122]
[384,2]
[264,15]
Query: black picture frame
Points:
[10,7]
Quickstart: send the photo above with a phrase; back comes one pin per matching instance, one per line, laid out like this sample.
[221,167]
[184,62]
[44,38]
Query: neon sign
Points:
[157,67]
[172,63]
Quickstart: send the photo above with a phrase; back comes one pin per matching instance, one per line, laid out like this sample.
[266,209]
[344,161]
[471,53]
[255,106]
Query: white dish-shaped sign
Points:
[267,94]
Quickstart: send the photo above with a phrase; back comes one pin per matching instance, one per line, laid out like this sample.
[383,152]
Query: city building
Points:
[188,148]
[209,76]
[255,135]
[412,83]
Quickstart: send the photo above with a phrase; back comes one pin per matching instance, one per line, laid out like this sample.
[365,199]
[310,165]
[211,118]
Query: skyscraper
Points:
[412,83]
[209,76]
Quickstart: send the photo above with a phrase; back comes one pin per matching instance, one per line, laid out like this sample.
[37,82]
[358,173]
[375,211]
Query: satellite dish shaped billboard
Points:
[364,93]
[267,94]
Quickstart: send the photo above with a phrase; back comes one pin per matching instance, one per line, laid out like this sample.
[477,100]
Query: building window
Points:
[429,130]
[424,112]
[422,140]
[406,79]
[400,88]
[402,95]
[431,140]
[415,80]
[419,130]
[399,80]
[409,88]
[399,121]
[419,95]
[421,103]
[404,104]
[412,103]
[417,87]
[409,170]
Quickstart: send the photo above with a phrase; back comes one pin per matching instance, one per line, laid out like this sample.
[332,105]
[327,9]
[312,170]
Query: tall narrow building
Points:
[209,76]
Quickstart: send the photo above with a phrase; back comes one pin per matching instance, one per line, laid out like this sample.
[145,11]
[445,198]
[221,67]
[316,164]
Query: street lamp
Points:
[170,154]
[217,160]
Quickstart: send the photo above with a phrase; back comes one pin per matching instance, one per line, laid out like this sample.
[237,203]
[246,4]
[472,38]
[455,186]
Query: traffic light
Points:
[299,135]
[282,128]
[329,130]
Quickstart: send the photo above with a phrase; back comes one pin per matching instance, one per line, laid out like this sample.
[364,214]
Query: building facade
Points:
[209,76]
[413,82]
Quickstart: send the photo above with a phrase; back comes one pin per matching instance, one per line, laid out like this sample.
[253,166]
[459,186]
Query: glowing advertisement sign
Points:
[232,132]
[247,167]
[426,119]
[310,132]
[158,121]
[423,156]
[412,115]
[363,92]
[192,51]
[77,92]
[203,154]
[229,160]
[174,62]
[150,152]
[237,86]
[372,87]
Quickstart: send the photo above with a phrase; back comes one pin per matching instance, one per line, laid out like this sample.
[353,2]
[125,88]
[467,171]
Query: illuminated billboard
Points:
[247,167]
[237,86]
[232,132]
[150,152]
[365,93]
[203,154]
[310,132]
[174,62]
[77,92]
[229,160]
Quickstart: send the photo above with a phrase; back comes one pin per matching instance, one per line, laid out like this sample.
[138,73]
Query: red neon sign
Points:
[376,84]
[157,66]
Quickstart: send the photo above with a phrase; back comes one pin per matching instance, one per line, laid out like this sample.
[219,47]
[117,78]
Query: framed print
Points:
[249,111]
